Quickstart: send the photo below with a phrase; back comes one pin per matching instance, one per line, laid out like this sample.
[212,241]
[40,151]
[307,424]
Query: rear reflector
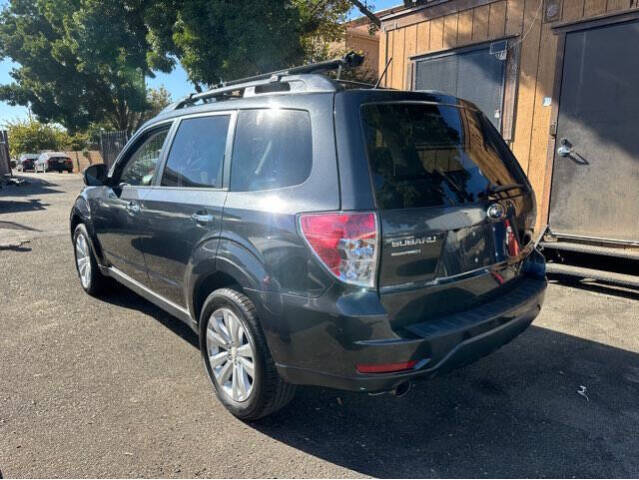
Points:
[346,243]
[386,367]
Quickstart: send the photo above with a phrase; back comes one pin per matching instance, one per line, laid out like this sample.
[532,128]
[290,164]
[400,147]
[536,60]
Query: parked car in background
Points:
[316,234]
[54,161]
[26,161]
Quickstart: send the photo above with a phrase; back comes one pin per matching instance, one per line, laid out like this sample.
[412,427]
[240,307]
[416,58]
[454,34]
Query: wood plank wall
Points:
[445,27]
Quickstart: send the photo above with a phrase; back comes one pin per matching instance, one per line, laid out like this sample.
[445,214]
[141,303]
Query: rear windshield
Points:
[424,155]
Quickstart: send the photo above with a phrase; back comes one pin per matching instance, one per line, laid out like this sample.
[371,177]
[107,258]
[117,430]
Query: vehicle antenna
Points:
[381,77]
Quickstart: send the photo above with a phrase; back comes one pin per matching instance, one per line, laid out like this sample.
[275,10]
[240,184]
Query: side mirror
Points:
[95,175]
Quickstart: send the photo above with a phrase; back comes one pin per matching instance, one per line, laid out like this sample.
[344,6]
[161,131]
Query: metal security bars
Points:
[5,160]
[111,143]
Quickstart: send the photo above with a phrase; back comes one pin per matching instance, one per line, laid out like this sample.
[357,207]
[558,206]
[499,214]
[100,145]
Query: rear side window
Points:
[425,155]
[196,158]
[273,149]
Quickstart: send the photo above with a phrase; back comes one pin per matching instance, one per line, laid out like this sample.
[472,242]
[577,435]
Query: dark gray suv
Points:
[318,232]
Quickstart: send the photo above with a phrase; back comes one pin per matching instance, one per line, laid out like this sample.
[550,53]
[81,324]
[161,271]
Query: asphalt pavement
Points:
[115,387]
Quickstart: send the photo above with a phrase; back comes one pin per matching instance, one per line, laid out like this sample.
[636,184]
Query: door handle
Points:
[202,217]
[565,148]
[133,207]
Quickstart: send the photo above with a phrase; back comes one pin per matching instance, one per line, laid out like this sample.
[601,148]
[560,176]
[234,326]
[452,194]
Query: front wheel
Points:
[237,358]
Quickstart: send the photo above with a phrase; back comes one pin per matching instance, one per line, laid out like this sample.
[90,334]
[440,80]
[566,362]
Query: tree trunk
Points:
[362,8]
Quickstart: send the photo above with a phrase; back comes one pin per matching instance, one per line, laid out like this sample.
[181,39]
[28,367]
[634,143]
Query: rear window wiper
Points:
[492,189]
[451,183]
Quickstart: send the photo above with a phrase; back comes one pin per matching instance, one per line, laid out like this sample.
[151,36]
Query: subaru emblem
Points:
[495,211]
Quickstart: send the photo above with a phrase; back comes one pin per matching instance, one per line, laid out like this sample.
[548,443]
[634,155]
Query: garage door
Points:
[475,74]
[595,182]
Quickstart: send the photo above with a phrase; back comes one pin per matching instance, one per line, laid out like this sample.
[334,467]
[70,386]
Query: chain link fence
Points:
[111,143]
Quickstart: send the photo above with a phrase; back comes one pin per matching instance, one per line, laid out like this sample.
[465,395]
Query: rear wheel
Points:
[91,278]
[237,358]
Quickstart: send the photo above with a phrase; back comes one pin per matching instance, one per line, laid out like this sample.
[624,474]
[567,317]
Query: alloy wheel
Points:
[231,354]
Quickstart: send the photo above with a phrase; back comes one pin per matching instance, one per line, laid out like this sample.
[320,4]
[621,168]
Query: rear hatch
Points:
[58,161]
[455,208]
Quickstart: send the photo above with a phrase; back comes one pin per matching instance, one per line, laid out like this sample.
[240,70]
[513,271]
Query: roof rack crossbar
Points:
[350,60]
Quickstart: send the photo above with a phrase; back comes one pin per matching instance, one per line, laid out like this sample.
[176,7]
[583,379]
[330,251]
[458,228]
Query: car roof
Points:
[44,155]
[324,88]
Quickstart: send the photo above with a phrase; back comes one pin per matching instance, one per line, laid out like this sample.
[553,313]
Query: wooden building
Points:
[362,37]
[548,74]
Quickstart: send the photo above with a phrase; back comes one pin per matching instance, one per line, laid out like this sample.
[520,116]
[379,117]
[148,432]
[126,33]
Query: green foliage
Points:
[31,136]
[83,63]
[218,40]
[76,142]
[156,99]
[80,60]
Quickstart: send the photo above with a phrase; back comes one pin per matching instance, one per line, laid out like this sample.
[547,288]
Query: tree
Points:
[156,99]
[217,40]
[31,136]
[365,10]
[84,62]
[80,61]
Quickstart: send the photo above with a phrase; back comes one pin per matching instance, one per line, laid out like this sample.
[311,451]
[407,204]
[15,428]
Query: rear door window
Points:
[424,155]
[273,149]
[196,158]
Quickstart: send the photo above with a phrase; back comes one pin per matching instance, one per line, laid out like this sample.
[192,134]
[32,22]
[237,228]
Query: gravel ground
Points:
[115,387]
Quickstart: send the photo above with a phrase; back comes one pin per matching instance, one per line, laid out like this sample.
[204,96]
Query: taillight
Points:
[346,243]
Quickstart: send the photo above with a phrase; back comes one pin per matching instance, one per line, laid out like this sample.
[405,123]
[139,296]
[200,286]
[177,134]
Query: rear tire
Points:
[256,395]
[91,278]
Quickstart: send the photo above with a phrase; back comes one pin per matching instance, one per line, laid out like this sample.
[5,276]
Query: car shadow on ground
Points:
[548,404]
[121,296]
[516,413]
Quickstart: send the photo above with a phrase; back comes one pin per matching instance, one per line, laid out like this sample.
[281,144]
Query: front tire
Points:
[91,278]
[237,358]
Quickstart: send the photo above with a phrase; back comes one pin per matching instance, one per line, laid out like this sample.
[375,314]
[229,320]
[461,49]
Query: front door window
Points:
[141,166]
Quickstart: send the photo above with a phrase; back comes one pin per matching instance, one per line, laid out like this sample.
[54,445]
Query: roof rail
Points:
[225,90]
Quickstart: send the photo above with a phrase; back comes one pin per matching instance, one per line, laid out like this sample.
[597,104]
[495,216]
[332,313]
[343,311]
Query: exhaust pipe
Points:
[401,389]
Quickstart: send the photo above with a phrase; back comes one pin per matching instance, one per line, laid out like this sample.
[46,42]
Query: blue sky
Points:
[175,82]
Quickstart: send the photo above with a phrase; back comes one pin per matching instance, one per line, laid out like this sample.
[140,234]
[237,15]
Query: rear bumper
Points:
[58,168]
[326,352]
